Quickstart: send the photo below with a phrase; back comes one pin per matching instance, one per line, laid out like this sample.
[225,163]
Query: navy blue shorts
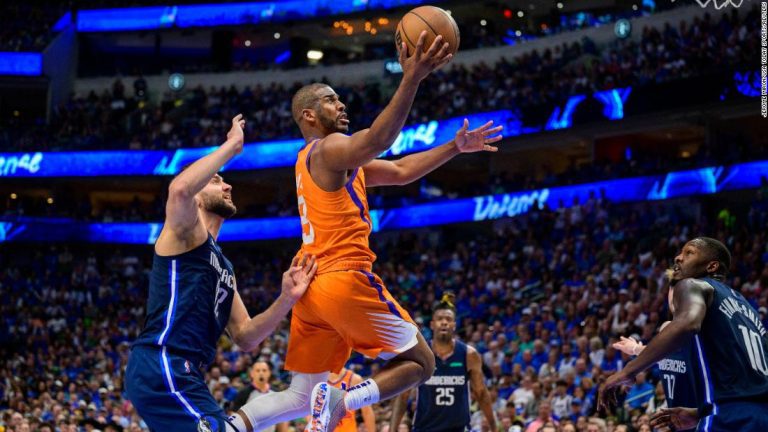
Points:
[169,392]
[737,416]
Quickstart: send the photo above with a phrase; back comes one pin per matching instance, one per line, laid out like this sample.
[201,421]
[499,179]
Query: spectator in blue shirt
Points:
[640,393]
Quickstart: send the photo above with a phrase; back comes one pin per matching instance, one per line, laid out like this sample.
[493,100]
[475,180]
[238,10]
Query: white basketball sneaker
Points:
[327,408]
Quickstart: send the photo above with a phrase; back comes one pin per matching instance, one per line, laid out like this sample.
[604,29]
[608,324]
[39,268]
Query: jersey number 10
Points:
[754,345]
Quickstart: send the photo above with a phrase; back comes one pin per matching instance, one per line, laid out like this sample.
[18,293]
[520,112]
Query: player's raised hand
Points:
[470,141]
[629,346]
[236,135]
[297,278]
[420,64]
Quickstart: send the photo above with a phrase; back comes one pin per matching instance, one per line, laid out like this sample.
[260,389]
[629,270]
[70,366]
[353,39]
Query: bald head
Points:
[306,98]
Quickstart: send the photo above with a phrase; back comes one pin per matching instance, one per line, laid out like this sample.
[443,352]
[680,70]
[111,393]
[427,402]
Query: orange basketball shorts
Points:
[344,311]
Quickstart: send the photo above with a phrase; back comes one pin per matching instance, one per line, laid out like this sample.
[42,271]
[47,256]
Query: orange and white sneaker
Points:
[327,408]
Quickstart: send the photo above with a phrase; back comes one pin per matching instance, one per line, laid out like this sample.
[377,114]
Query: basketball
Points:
[435,21]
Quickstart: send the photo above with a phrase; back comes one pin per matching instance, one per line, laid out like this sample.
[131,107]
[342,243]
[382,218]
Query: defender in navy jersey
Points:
[677,376]
[443,400]
[193,298]
[729,346]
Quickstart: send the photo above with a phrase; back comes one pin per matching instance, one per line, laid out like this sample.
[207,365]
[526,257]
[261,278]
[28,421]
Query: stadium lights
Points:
[520,14]
[277,35]
[559,5]
[49,200]
[247,42]
[483,22]
[14,196]
[176,82]
[314,55]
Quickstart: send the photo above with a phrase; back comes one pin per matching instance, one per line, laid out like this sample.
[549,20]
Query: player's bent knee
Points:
[420,355]
[427,368]
[426,360]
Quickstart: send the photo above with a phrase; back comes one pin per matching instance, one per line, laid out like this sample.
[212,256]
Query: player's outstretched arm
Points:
[380,172]
[181,209]
[340,152]
[476,383]
[399,405]
[249,332]
[690,301]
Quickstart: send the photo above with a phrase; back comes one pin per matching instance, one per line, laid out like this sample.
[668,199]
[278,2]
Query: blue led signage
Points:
[213,15]
[482,208]
[21,63]
[275,154]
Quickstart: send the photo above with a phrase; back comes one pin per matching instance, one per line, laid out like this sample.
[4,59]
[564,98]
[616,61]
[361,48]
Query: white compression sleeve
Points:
[286,405]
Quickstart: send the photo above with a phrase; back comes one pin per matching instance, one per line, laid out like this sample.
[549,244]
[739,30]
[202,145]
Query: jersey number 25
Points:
[444,396]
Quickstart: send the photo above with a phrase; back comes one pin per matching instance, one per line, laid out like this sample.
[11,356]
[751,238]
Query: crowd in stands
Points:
[126,118]
[542,297]
[26,26]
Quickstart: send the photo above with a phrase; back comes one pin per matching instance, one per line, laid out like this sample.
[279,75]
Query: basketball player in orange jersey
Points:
[344,380]
[347,306]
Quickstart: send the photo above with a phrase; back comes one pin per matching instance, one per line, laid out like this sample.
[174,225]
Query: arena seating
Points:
[527,289]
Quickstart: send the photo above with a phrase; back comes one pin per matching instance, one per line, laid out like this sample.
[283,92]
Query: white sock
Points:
[289,404]
[364,394]
[238,422]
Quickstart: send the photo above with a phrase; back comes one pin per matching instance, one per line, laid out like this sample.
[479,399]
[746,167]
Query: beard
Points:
[219,207]
[331,124]
[443,337]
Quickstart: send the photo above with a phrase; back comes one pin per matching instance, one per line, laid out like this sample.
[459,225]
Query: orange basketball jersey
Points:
[334,225]
[348,423]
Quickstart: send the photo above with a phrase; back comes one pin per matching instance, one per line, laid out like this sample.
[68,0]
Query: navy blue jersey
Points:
[677,378]
[729,352]
[443,401]
[190,298]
